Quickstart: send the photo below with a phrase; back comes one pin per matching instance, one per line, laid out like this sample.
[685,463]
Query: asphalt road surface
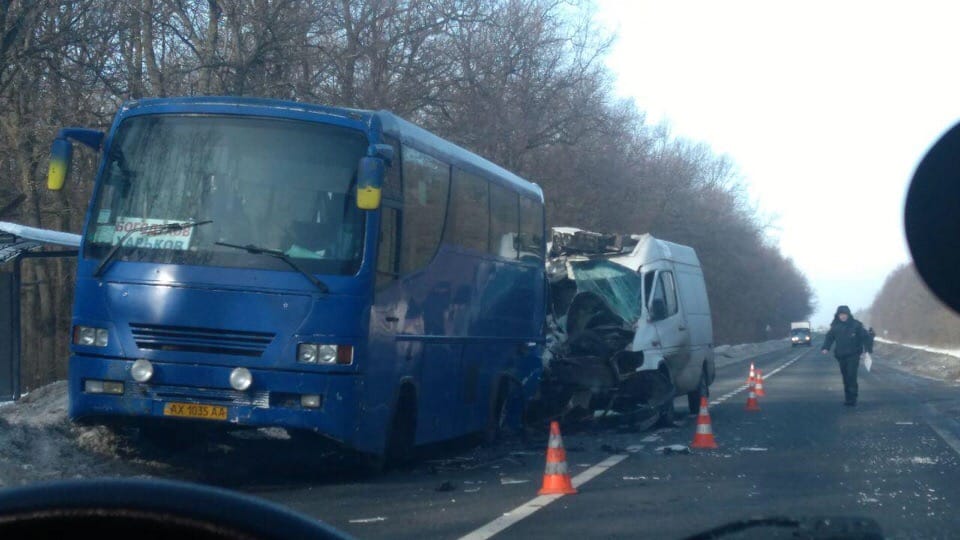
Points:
[894,458]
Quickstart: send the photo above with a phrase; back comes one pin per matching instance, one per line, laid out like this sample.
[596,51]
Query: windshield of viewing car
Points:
[276,184]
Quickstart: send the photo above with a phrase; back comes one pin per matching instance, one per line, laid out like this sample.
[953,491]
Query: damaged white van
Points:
[629,326]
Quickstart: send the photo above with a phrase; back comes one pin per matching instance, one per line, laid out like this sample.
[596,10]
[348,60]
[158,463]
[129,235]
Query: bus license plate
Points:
[192,410]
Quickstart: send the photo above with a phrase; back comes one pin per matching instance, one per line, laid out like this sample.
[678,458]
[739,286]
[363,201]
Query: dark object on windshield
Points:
[818,528]
[932,218]
[148,509]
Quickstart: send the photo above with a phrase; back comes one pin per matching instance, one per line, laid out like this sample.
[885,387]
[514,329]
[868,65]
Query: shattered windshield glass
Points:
[617,285]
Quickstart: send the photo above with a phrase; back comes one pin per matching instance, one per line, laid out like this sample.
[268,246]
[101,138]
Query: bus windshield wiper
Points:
[250,248]
[149,230]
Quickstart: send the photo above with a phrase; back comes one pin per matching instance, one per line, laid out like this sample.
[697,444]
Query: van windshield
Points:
[617,285]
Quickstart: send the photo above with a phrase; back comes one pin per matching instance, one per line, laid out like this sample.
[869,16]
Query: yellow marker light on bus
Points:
[57,175]
[368,198]
[60,153]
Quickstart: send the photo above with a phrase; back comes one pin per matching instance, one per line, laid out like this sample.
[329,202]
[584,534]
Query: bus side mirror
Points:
[370,182]
[62,150]
[60,153]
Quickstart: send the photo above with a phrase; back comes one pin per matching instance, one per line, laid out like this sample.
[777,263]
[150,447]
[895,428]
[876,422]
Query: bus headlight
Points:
[90,337]
[241,378]
[141,370]
[314,353]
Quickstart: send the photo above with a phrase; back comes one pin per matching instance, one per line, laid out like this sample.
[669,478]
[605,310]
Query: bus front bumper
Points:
[274,399]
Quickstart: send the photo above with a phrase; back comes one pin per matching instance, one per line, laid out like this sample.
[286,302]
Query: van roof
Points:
[649,249]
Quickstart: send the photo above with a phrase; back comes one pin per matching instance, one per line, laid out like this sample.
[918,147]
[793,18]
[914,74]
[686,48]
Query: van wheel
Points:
[693,398]
[667,414]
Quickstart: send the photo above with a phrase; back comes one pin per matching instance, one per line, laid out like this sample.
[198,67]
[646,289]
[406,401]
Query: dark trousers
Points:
[848,368]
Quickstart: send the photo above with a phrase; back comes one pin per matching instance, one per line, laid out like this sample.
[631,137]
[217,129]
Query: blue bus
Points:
[251,262]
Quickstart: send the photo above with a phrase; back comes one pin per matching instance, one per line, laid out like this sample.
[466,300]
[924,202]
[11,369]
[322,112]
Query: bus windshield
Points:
[279,185]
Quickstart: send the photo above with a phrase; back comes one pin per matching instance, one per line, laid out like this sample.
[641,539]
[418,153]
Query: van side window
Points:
[426,182]
[669,292]
[648,286]
[657,290]
[469,221]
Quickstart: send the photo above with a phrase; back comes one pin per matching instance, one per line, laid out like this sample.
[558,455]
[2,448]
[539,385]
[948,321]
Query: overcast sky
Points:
[826,108]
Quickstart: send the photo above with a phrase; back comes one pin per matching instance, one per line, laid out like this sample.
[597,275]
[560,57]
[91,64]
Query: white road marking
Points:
[526,509]
[948,437]
[733,393]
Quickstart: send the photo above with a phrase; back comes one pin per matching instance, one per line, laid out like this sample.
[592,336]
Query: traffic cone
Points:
[753,376]
[556,477]
[752,403]
[703,438]
[759,385]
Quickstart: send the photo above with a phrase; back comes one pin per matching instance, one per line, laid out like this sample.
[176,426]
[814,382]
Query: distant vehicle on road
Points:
[801,334]
[251,262]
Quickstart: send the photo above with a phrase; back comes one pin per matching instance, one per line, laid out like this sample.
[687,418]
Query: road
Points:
[893,458]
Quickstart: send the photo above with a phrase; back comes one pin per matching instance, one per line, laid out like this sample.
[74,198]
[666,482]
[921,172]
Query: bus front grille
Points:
[195,394]
[202,340]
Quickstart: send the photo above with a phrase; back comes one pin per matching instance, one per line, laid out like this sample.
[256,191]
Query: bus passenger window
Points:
[531,230]
[426,183]
[469,221]
[392,190]
[387,248]
[504,222]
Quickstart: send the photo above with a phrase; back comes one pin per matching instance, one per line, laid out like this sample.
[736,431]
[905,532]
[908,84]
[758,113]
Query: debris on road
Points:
[752,449]
[674,449]
[369,520]
[446,486]
[471,490]
[634,448]
[612,449]
[511,481]
[634,477]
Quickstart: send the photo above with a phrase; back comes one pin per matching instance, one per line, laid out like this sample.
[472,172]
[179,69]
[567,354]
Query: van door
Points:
[667,317]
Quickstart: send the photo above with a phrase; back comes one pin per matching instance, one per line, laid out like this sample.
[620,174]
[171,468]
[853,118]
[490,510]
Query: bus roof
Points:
[391,124]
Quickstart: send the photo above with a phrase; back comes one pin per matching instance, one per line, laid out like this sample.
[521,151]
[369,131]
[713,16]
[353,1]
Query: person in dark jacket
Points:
[850,340]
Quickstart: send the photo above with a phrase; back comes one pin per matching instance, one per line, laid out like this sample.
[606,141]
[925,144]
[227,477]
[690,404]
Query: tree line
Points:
[521,82]
[907,312]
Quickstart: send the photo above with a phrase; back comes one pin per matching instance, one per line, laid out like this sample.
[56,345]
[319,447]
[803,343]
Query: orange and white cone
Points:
[703,438]
[753,376]
[752,403]
[759,385]
[556,477]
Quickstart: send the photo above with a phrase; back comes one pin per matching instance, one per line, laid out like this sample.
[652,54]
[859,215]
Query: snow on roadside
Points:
[918,361]
[38,442]
[950,352]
